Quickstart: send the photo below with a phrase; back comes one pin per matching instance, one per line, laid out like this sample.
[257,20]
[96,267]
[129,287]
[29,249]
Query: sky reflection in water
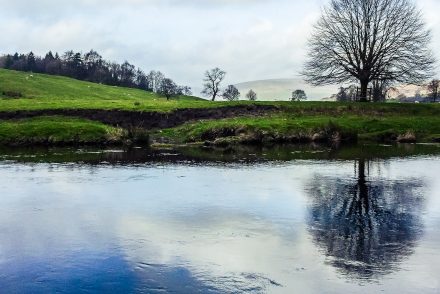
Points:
[269,227]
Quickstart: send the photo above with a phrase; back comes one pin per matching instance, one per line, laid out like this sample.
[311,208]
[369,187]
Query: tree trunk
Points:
[364,91]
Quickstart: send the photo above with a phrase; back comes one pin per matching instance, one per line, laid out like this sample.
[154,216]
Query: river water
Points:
[286,220]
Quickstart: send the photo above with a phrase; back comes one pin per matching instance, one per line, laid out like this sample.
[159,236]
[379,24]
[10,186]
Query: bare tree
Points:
[368,40]
[299,95]
[212,80]
[185,90]
[231,93]
[251,95]
[433,88]
[155,79]
[168,88]
[380,90]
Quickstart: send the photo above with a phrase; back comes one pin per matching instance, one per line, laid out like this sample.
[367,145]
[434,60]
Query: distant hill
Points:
[281,89]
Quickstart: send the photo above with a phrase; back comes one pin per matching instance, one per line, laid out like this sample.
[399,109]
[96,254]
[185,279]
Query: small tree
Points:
[299,95]
[154,80]
[168,88]
[185,90]
[31,61]
[212,80]
[342,95]
[231,93]
[433,88]
[380,90]
[251,95]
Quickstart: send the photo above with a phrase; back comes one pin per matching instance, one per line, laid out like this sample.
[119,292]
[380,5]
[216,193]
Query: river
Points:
[284,220]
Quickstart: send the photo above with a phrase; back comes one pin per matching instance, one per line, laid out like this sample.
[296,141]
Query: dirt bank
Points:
[146,120]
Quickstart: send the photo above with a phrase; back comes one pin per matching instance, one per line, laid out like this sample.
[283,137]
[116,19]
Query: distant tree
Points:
[90,67]
[299,95]
[73,65]
[231,93]
[368,40]
[251,95]
[433,89]
[213,79]
[380,90]
[49,57]
[168,88]
[31,62]
[20,62]
[9,61]
[141,80]
[342,95]
[93,63]
[114,74]
[155,79]
[185,90]
[51,64]
[128,74]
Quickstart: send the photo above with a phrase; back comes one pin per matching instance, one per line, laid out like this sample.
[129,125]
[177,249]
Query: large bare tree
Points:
[369,40]
[213,79]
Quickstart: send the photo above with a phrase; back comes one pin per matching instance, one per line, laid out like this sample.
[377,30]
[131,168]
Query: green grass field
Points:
[58,130]
[40,91]
[27,91]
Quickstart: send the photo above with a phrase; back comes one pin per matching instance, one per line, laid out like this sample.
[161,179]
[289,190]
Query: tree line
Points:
[92,67]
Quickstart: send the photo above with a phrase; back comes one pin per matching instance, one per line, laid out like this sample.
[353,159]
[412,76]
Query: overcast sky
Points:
[250,39]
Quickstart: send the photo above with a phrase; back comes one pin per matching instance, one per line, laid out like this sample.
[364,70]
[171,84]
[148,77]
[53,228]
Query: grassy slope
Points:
[57,130]
[55,92]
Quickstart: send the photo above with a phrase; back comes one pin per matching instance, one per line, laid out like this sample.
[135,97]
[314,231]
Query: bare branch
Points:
[369,40]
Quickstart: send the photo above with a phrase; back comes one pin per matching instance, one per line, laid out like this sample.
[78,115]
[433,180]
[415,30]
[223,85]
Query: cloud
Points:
[250,39]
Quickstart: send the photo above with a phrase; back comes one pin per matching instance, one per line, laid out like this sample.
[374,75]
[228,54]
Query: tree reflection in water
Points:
[364,227]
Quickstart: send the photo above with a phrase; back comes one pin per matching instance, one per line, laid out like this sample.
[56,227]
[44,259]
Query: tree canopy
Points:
[231,93]
[369,40]
[251,95]
[299,95]
[213,79]
[88,67]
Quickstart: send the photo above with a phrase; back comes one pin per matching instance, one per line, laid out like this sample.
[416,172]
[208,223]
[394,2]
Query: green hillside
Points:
[28,91]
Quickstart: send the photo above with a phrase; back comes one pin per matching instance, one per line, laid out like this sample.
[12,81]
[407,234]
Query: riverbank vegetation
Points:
[58,130]
[288,128]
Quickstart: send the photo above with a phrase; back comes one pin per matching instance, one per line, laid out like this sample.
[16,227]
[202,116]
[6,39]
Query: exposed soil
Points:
[145,120]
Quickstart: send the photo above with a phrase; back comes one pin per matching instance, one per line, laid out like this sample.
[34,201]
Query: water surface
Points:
[284,220]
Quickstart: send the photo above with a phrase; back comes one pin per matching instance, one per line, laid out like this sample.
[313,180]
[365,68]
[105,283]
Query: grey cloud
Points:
[250,39]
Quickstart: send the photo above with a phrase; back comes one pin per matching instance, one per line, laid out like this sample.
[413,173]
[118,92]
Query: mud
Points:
[146,120]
